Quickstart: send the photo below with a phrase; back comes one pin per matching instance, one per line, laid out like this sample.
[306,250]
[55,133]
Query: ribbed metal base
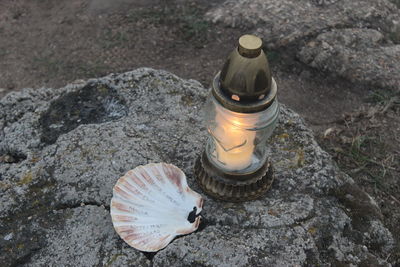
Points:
[232,187]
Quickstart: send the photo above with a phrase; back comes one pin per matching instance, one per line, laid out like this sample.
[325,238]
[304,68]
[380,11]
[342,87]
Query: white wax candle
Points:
[235,144]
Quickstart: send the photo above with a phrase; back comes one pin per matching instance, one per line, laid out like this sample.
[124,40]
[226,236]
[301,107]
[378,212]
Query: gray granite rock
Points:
[86,238]
[63,150]
[357,55]
[286,21]
[352,39]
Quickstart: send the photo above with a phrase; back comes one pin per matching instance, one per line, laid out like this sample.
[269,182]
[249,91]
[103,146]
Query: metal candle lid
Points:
[245,83]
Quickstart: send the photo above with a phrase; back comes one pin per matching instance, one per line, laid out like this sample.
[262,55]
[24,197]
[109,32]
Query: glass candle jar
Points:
[241,114]
[237,142]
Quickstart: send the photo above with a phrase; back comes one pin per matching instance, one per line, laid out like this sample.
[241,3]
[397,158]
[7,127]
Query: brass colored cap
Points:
[245,82]
[249,46]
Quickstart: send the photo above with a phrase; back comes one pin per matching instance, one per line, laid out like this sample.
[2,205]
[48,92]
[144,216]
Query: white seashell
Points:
[153,204]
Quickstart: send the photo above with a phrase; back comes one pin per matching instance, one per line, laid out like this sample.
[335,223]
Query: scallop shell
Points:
[153,204]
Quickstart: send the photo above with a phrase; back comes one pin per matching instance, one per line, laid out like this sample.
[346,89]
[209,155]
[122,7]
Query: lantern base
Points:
[232,187]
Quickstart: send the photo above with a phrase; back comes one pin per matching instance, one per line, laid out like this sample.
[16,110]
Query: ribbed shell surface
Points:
[153,204]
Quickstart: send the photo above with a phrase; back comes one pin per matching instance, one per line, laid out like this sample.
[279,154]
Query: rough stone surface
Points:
[357,55]
[286,21]
[63,150]
[353,39]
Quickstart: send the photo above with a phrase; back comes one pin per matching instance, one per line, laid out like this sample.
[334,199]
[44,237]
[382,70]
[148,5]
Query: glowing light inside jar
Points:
[234,139]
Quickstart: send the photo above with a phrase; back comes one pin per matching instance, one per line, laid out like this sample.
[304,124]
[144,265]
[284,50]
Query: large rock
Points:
[353,39]
[357,55]
[63,150]
[286,21]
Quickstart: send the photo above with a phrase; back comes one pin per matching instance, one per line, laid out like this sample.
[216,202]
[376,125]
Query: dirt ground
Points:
[46,43]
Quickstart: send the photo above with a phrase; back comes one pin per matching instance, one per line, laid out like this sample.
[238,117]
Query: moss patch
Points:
[26,179]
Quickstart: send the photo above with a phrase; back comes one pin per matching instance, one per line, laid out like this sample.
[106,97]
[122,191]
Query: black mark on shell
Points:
[192,215]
